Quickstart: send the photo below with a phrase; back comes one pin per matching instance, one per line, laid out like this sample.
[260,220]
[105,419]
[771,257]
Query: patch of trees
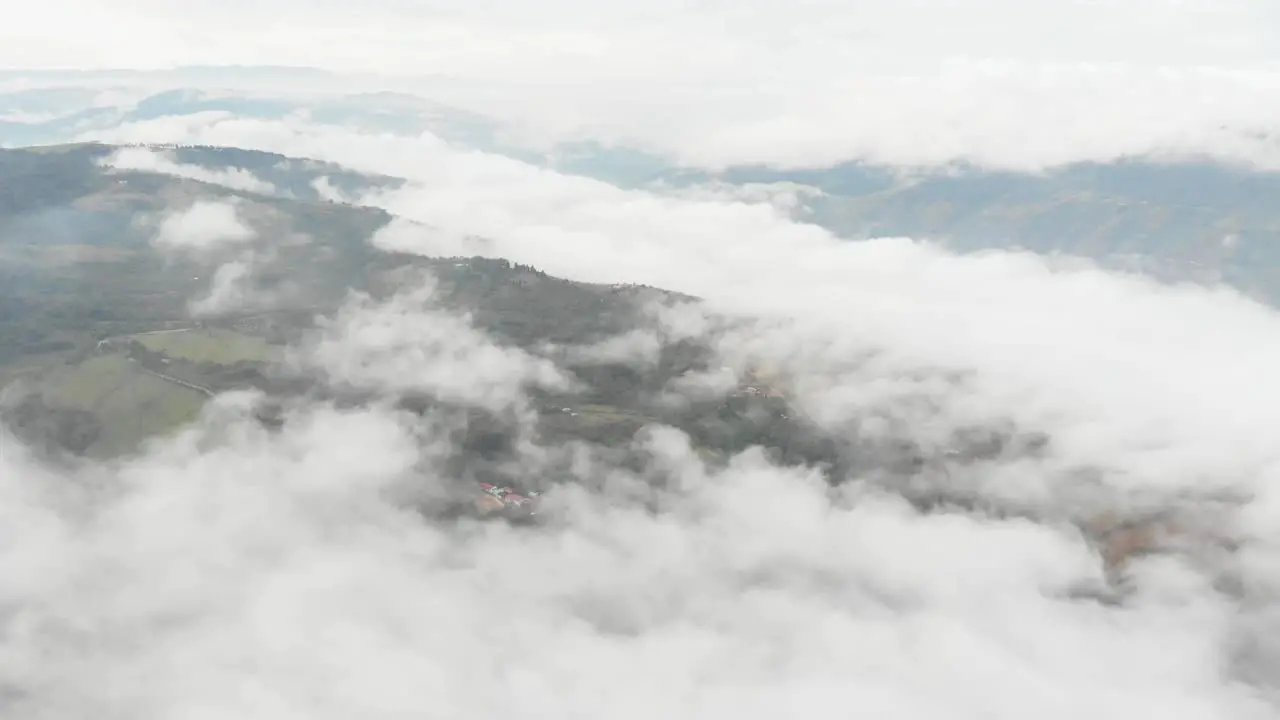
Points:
[53,429]
[20,339]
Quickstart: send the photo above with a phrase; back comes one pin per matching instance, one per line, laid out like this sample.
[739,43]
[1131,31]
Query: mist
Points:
[237,570]
[1048,488]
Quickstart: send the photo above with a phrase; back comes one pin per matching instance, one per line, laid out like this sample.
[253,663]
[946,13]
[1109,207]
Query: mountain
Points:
[105,344]
[59,114]
[1177,220]
[111,336]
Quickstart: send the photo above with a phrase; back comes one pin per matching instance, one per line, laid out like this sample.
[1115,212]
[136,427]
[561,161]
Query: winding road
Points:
[176,381]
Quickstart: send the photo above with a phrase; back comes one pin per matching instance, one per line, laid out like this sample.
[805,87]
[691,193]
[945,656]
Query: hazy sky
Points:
[505,39]
[1015,81]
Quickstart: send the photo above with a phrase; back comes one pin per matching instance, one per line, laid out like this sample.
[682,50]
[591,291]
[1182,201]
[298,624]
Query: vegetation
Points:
[97,323]
[106,405]
[214,345]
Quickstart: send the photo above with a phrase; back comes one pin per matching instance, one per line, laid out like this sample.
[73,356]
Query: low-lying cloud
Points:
[229,243]
[228,289]
[240,571]
[202,227]
[407,346]
[213,231]
[149,160]
[237,570]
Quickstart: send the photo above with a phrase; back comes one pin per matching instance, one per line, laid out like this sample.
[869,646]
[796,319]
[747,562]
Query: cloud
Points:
[203,574]
[148,160]
[427,239]
[1008,83]
[202,227]
[641,348]
[1000,113]
[327,191]
[228,290]
[215,236]
[1035,332]
[404,345]
[789,199]
[716,39]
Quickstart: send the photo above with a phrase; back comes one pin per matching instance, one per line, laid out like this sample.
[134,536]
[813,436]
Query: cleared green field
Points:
[131,404]
[221,347]
[609,413]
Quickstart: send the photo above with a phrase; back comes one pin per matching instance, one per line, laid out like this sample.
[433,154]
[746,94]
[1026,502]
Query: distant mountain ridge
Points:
[1186,220]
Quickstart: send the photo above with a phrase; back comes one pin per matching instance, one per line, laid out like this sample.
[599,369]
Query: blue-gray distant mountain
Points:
[1192,220]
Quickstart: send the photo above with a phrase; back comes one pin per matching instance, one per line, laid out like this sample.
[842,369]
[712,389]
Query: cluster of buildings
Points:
[760,391]
[505,500]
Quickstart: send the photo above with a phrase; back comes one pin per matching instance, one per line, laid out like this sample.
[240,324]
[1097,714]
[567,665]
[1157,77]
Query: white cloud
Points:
[757,592]
[1043,346]
[703,385]
[1003,82]
[406,345]
[1000,113]
[228,290]
[714,37]
[1038,334]
[203,577]
[789,199]
[214,231]
[641,348]
[429,240]
[327,191]
[203,226]
[148,160]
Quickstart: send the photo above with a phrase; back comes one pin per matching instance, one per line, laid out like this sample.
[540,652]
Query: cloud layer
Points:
[1002,82]
[233,570]
[239,571]
[147,160]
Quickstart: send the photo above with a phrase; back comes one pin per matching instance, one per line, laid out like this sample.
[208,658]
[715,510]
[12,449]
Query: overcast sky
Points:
[791,82]
[743,40]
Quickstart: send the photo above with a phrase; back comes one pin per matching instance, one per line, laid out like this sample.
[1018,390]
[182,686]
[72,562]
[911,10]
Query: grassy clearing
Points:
[608,411]
[599,415]
[86,385]
[131,405]
[221,347]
